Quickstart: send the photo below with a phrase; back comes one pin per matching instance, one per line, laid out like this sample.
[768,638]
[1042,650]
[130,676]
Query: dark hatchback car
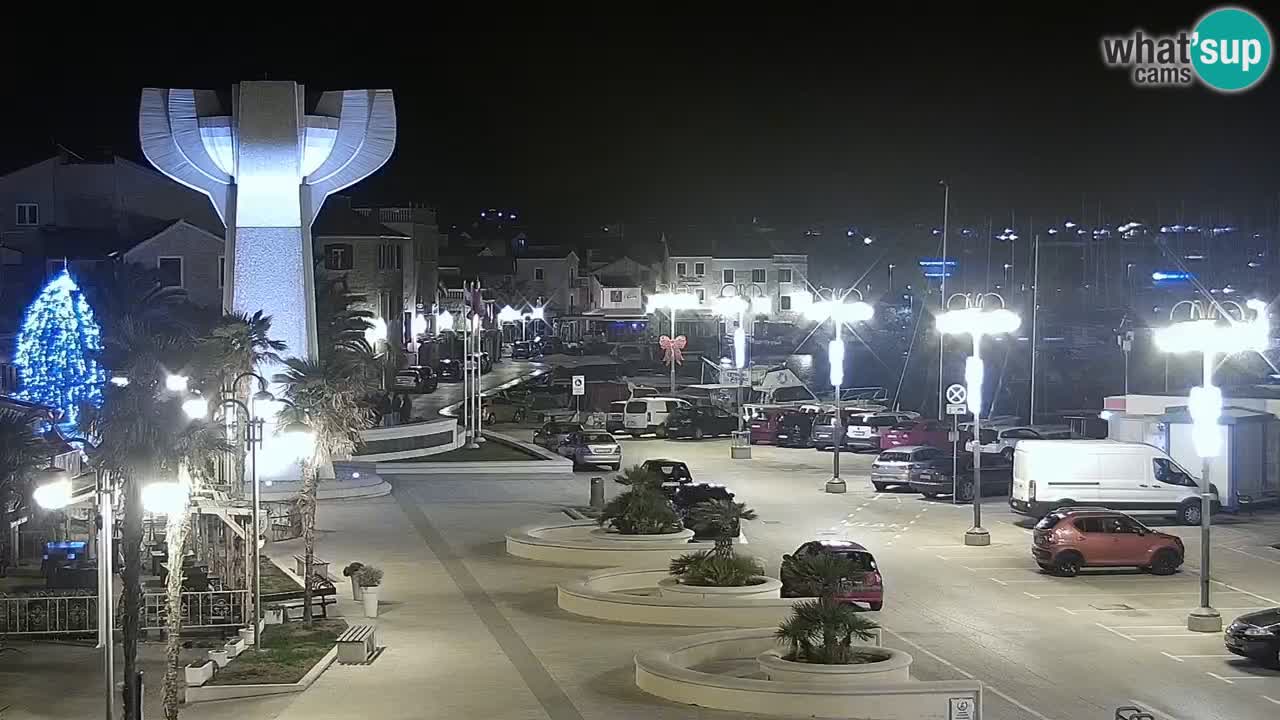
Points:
[935,479]
[1256,635]
[553,434]
[700,422]
[865,587]
[794,429]
[685,496]
[522,350]
[671,471]
[416,379]
[449,370]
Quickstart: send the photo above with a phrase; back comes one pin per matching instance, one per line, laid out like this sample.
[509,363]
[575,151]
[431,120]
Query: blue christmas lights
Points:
[57,350]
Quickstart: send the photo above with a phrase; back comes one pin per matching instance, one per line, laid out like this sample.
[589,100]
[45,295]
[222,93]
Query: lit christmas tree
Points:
[57,350]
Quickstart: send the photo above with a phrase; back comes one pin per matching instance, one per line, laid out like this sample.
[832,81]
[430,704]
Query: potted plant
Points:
[199,672]
[350,571]
[719,567]
[819,636]
[721,519]
[220,656]
[235,646]
[369,578]
[247,635]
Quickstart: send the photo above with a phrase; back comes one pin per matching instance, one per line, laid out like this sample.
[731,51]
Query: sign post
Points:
[579,389]
[956,396]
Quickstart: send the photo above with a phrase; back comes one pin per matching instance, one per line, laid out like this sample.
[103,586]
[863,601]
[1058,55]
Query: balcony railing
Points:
[74,614]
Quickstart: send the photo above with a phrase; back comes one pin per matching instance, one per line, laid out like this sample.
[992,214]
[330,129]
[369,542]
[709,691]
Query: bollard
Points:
[597,492]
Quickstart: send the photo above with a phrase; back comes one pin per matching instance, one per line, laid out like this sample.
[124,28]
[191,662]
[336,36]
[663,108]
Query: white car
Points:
[649,415]
[1002,440]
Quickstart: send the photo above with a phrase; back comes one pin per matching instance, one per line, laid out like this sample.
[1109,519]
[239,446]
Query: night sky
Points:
[681,118]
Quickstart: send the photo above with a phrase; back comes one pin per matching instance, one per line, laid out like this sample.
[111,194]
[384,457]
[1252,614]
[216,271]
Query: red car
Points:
[764,426]
[917,432]
[865,587]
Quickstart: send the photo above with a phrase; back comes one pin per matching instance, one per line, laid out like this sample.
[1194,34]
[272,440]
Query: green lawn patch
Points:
[273,579]
[490,451]
[286,652]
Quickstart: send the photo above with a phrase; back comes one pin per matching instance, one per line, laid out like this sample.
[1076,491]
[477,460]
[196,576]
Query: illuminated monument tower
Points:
[268,164]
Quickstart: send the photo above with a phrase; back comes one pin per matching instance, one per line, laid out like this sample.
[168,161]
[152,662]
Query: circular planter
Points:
[611,536]
[670,587]
[895,668]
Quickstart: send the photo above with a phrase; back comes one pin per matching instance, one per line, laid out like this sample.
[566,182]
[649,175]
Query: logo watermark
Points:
[1228,50]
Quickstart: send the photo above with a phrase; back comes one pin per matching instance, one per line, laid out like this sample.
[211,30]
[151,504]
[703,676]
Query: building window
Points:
[784,275]
[222,271]
[682,269]
[26,214]
[338,257]
[757,276]
[615,296]
[537,274]
[728,276]
[699,269]
[389,257]
[170,271]
[784,302]
[702,295]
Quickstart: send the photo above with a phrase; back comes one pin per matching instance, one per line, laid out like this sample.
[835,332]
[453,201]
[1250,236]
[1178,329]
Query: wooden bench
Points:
[357,644]
[318,566]
[323,594]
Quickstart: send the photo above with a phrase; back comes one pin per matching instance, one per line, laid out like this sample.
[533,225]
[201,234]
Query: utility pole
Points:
[942,298]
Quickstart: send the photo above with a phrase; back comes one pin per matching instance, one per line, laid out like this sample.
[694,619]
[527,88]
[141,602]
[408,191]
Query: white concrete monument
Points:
[268,165]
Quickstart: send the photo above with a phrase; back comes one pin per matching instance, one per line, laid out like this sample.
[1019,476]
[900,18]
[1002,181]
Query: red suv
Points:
[1072,538]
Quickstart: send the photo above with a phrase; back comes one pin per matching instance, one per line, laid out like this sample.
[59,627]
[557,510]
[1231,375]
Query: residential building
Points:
[746,263]
[72,209]
[422,273]
[553,281]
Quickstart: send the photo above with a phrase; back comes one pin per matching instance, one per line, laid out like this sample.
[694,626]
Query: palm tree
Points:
[719,518]
[639,475]
[326,395]
[21,453]
[823,630]
[237,344]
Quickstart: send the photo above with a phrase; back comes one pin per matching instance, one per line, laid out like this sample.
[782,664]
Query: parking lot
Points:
[1051,647]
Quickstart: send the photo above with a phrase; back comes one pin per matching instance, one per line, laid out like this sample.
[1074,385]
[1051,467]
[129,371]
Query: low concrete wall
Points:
[572,543]
[435,436]
[666,672]
[204,693]
[546,463]
[607,595]
[770,589]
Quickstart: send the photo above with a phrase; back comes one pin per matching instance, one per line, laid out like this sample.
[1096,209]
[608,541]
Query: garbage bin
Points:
[740,445]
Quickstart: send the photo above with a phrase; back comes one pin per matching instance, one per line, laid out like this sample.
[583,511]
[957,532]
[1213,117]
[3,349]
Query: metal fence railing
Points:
[71,614]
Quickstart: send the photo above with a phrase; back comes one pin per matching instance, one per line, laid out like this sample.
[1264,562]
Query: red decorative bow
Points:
[671,348]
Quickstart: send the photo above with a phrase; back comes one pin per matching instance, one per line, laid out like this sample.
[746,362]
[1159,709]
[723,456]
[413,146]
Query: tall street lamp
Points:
[509,314]
[840,313]
[671,302]
[1211,331]
[976,321]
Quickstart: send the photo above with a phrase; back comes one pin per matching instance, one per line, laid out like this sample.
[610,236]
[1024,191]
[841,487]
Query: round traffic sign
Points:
[956,394]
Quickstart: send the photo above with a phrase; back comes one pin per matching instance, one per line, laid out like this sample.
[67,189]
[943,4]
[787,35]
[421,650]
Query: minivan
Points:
[1134,477]
[649,415]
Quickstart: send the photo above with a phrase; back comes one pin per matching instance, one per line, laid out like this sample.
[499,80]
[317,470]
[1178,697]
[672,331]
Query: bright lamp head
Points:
[53,489]
[175,383]
[195,408]
[167,498]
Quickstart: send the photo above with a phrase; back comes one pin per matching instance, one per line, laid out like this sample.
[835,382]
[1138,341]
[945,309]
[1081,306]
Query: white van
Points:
[1133,477]
[649,415]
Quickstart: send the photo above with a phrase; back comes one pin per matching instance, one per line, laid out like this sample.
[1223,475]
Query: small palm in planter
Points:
[720,519]
[639,476]
[708,568]
[822,631]
[369,578]
[352,570]
[642,510]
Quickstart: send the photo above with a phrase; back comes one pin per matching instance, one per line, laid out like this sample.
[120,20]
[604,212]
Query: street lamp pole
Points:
[946,212]
[839,312]
[976,321]
[1203,333]
[671,302]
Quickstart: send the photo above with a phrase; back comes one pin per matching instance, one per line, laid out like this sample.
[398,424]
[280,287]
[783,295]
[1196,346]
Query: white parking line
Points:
[1257,557]
[1187,634]
[994,580]
[1220,678]
[979,556]
[1144,627]
[1181,658]
[1270,699]
[1115,632]
[1246,592]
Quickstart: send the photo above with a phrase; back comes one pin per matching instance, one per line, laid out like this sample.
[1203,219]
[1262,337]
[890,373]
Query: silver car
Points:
[897,466]
[592,447]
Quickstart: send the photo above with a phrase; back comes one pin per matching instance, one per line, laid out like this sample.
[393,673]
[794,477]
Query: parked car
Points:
[935,479]
[864,431]
[416,379]
[895,467]
[1134,477]
[700,422]
[794,429]
[649,415]
[763,425]
[614,417]
[823,430]
[523,350]
[551,435]
[448,370]
[1071,538]
[933,433]
[1256,635]
[499,409]
[1002,441]
[684,496]
[867,587]
[591,447]
[671,471]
